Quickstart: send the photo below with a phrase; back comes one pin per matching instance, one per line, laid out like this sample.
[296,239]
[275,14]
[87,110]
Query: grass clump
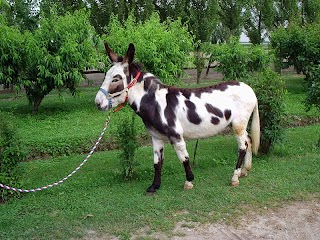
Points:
[11,153]
[127,140]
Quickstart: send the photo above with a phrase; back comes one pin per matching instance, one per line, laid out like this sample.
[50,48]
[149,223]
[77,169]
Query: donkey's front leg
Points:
[158,147]
[180,148]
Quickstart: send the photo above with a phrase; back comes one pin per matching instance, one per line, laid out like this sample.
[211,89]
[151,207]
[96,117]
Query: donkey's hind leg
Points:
[181,150]
[241,135]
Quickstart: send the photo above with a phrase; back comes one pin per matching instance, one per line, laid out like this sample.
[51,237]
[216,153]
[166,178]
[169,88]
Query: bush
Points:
[313,88]
[300,47]
[237,61]
[163,48]
[127,140]
[11,62]
[270,90]
[11,153]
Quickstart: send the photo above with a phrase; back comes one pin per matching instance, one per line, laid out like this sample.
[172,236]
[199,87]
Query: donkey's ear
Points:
[129,55]
[113,57]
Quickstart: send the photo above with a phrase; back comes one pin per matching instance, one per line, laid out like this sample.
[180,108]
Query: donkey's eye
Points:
[116,78]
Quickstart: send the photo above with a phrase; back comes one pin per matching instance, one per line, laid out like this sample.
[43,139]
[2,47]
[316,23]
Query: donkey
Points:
[176,114]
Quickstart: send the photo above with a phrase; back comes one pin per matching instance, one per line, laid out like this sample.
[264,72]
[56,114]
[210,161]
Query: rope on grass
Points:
[67,177]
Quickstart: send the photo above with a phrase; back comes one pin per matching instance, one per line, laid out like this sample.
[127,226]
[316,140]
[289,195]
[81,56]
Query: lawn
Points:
[96,199]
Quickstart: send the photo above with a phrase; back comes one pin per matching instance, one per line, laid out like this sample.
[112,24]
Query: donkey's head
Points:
[116,83]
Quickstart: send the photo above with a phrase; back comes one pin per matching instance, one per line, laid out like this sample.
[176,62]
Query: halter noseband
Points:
[112,95]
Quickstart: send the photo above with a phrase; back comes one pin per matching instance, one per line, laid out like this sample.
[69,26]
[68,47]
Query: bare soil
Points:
[297,221]
[300,220]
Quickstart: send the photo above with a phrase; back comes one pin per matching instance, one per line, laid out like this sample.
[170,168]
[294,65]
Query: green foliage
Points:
[163,48]
[231,18]
[300,47]
[22,14]
[60,7]
[11,56]
[11,153]
[56,55]
[259,17]
[313,88]
[237,62]
[270,91]
[127,140]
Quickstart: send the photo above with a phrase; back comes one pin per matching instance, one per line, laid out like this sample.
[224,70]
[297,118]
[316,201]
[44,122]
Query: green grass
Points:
[63,125]
[97,199]
[294,99]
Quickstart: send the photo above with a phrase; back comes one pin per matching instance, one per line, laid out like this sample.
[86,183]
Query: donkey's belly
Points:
[203,130]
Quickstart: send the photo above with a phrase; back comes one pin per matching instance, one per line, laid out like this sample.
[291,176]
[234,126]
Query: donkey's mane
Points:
[137,66]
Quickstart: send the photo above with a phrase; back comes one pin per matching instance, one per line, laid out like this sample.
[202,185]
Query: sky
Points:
[244,38]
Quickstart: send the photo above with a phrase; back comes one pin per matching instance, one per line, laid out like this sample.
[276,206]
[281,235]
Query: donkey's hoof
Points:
[244,173]
[150,193]
[235,183]
[152,190]
[188,185]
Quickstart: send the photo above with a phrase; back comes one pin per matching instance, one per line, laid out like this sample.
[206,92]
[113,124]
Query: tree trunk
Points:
[36,103]
[208,68]
[199,64]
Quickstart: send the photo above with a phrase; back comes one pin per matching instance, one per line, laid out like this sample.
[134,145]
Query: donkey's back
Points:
[204,112]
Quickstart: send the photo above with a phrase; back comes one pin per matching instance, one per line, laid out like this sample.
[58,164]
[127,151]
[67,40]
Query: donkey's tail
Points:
[255,130]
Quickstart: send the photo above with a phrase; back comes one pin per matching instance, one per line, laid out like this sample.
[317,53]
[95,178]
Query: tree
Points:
[163,48]
[22,14]
[310,11]
[100,13]
[285,12]
[300,47]
[11,57]
[231,18]
[4,6]
[203,15]
[238,62]
[60,7]
[102,10]
[56,55]
[259,19]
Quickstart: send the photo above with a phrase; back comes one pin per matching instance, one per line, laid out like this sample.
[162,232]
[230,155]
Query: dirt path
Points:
[296,221]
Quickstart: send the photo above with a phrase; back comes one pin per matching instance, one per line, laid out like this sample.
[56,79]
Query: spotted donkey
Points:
[177,114]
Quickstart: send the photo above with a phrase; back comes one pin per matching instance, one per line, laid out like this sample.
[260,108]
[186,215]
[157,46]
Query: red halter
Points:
[128,87]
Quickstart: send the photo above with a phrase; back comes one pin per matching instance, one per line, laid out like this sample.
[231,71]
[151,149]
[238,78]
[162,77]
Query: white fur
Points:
[240,100]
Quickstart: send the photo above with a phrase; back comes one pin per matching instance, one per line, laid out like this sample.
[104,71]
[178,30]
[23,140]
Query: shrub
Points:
[11,62]
[300,47]
[127,140]
[270,90]
[313,88]
[163,48]
[233,60]
[56,54]
[11,153]
[237,61]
